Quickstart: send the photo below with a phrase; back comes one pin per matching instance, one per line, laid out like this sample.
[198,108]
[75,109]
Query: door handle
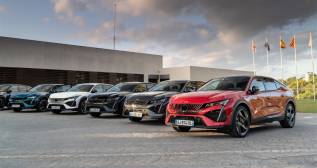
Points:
[282,95]
[268,97]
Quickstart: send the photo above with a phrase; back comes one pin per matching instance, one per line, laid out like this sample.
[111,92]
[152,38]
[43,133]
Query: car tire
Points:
[81,107]
[17,109]
[56,111]
[181,129]
[290,116]
[95,114]
[240,122]
[135,119]
[42,105]
[2,102]
[121,110]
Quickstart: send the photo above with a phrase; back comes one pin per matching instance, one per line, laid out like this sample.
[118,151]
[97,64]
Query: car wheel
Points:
[181,129]
[135,119]
[240,123]
[42,105]
[2,102]
[81,107]
[56,111]
[121,110]
[17,109]
[95,114]
[290,115]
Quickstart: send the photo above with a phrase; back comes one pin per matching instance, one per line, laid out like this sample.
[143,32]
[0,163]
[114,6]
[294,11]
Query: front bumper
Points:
[63,104]
[155,111]
[103,108]
[23,103]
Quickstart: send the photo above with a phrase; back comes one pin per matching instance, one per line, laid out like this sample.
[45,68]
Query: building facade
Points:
[32,63]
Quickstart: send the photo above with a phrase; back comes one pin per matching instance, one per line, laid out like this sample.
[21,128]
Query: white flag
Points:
[310,41]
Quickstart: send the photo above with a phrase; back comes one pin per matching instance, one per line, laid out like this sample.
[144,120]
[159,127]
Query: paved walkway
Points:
[31,139]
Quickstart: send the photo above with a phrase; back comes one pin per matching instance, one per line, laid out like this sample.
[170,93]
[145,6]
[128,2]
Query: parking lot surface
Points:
[32,139]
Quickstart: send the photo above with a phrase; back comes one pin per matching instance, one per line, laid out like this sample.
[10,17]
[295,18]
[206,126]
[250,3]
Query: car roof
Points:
[182,81]
[139,82]
[93,84]
[14,85]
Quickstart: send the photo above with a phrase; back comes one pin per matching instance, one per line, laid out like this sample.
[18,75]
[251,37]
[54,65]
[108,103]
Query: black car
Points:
[152,104]
[7,89]
[112,100]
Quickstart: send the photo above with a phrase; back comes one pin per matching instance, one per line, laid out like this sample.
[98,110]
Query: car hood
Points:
[27,94]
[200,97]
[147,96]
[106,95]
[69,94]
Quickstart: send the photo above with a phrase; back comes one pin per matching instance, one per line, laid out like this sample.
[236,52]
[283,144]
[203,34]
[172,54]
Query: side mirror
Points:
[53,91]
[94,91]
[255,89]
[9,91]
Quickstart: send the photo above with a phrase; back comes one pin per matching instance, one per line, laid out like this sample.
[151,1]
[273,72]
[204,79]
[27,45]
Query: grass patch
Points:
[307,106]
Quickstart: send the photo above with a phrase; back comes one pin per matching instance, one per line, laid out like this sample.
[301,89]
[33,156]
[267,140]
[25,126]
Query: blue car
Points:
[36,98]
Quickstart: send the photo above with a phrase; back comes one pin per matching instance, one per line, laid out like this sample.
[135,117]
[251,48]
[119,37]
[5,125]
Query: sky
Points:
[207,33]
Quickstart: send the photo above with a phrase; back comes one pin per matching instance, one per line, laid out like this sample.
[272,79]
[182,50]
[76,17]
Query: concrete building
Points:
[34,62]
[307,76]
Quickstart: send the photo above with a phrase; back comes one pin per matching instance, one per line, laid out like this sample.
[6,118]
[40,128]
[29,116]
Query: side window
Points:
[200,84]
[278,84]
[22,88]
[191,86]
[259,83]
[269,84]
[14,89]
[28,87]
[141,87]
[149,85]
[99,88]
[63,88]
[106,87]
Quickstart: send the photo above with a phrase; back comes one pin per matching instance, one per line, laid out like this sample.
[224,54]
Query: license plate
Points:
[184,122]
[56,107]
[135,114]
[94,110]
[15,105]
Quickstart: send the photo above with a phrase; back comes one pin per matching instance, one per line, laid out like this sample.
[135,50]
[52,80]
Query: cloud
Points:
[3,9]
[46,19]
[66,10]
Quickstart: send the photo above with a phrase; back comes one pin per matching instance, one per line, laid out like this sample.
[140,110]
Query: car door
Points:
[281,92]
[274,99]
[258,100]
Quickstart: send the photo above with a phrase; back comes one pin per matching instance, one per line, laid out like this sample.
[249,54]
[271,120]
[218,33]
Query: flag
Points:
[282,44]
[267,46]
[292,44]
[254,48]
[310,42]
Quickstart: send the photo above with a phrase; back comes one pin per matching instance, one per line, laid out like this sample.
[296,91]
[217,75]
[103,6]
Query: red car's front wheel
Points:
[240,123]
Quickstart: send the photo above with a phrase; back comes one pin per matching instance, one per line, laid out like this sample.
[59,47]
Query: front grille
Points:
[190,107]
[96,101]
[52,100]
[137,102]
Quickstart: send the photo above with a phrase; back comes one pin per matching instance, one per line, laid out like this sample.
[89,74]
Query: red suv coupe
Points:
[233,103]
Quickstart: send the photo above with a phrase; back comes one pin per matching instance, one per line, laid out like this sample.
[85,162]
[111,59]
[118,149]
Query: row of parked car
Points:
[230,103]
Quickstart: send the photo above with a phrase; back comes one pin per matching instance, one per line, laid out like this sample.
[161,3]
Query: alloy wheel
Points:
[290,115]
[83,107]
[242,122]
[42,105]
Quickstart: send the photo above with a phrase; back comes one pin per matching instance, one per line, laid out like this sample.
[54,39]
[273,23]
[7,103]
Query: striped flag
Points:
[282,44]
[292,44]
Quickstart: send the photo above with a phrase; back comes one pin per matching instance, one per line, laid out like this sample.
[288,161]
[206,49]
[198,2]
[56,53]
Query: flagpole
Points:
[312,59]
[267,53]
[296,68]
[253,57]
[281,57]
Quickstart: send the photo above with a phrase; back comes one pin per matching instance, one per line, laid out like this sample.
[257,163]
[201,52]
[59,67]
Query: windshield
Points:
[169,86]
[81,88]
[4,88]
[41,88]
[229,83]
[123,87]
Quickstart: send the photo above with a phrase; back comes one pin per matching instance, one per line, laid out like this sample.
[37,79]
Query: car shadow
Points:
[28,111]
[113,116]
[69,113]
[150,122]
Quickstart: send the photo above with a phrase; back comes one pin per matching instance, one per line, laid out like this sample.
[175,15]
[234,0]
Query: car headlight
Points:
[113,99]
[69,98]
[156,101]
[31,97]
[223,103]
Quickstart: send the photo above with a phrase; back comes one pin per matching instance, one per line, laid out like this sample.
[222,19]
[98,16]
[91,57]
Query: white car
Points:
[75,98]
